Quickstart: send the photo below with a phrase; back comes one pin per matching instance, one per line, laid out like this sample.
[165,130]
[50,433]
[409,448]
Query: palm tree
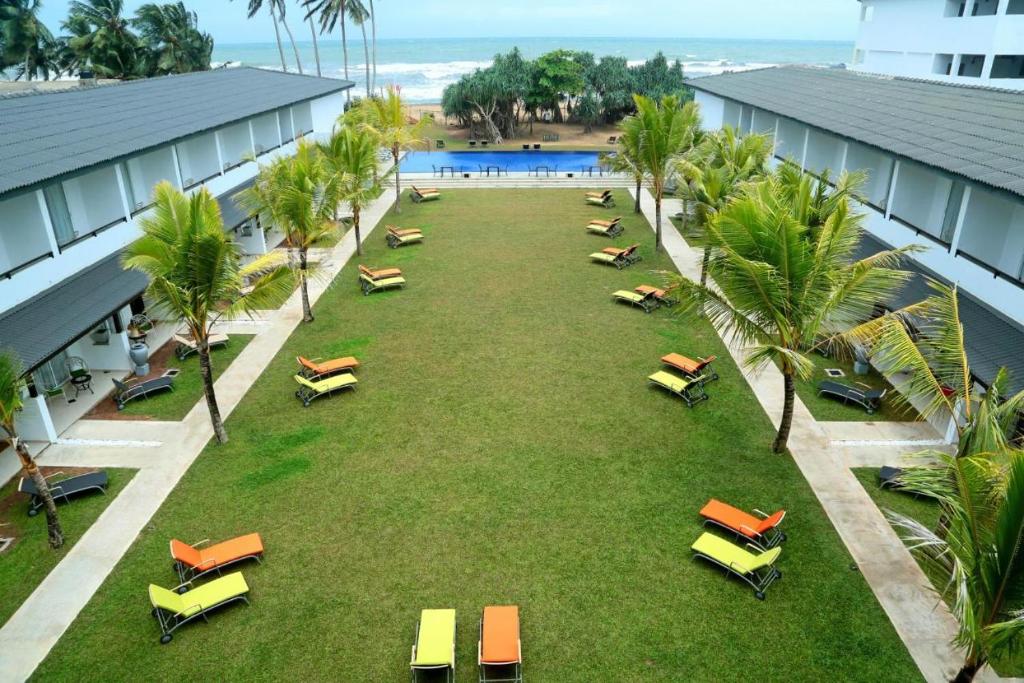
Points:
[627,159]
[10,404]
[783,285]
[386,119]
[351,154]
[171,35]
[298,195]
[978,557]
[373,26]
[716,169]
[316,47]
[103,38]
[195,273]
[26,41]
[358,13]
[332,12]
[254,7]
[281,7]
[664,131]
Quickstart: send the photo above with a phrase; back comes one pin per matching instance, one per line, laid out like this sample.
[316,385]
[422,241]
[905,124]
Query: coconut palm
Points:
[386,119]
[298,195]
[281,8]
[254,7]
[11,386]
[170,33]
[27,43]
[331,13]
[316,46]
[103,38]
[782,285]
[627,159]
[978,556]
[716,169]
[195,273]
[358,13]
[664,131]
[373,27]
[351,154]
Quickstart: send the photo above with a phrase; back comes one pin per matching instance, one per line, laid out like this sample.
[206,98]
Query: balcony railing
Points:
[919,232]
[93,233]
[27,264]
[996,272]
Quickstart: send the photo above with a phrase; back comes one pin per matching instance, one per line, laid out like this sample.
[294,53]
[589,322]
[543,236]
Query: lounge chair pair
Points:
[398,237]
[375,280]
[186,346]
[129,390]
[424,194]
[603,199]
[753,563]
[693,368]
[620,258]
[499,649]
[62,489]
[177,606]
[645,296]
[866,397]
[612,228]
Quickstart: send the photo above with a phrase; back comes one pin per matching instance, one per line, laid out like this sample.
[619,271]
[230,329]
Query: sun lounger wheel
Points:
[759,595]
[166,638]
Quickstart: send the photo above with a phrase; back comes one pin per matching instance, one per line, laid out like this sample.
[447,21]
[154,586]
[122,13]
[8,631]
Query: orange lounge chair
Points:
[380,273]
[701,366]
[402,232]
[660,295]
[762,529]
[192,562]
[499,650]
[311,368]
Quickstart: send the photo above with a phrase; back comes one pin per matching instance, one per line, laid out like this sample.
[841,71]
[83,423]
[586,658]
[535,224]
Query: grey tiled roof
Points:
[992,341]
[40,327]
[43,135]
[974,132]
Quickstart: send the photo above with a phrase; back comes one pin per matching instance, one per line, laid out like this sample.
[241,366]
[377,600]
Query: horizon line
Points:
[609,37]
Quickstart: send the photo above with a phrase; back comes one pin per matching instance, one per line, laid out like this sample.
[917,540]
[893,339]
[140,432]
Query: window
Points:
[971,65]
[1008,66]
[993,231]
[23,238]
[878,166]
[746,119]
[302,115]
[197,159]
[284,118]
[824,152]
[53,374]
[266,133]
[926,201]
[942,64]
[60,216]
[1015,7]
[143,172]
[235,144]
[93,200]
[955,8]
[790,144]
[985,8]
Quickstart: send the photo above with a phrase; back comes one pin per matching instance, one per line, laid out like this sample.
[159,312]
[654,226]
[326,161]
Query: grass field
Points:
[832,410]
[28,562]
[503,447]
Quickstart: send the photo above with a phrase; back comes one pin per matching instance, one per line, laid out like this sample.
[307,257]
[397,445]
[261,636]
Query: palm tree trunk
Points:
[291,39]
[704,266]
[277,33]
[639,186]
[344,50]
[307,312]
[366,58]
[316,47]
[657,221]
[782,438]
[373,29]
[967,673]
[54,532]
[206,371]
[355,225]
[395,151]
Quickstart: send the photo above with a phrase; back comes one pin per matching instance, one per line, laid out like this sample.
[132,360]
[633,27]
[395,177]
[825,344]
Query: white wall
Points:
[198,158]
[22,231]
[265,132]
[790,142]
[920,197]
[993,230]
[712,110]
[824,152]
[145,171]
[94,199]
[235,143]
[33,422]
[878,167]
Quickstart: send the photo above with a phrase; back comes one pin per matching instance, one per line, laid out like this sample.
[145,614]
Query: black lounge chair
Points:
[870,399]
[62,490]
[124,392]
[889,477]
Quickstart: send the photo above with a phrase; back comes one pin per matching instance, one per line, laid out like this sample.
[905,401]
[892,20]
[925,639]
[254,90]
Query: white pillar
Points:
[252,139]
[123,189]
[220,153]
[892,190]
[177,167]
[803,157]
[954,243]
[954,69]
[986,67]
[842,159]
[51,237]
[775,136]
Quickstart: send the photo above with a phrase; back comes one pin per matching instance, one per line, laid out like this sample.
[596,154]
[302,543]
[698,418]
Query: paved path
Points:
[169,450]
[924,624]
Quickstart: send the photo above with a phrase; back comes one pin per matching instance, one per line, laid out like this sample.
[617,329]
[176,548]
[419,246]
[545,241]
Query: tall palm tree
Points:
[316,47]
[373,26]
[664,131]
[716,169]
[281,8]
[254,7]
[783,285]
[351,154]
[298,195]
[10,404]
[627,159]
[978,556]
[358,13]
[25,39]
[386,119]
[171,35]
[103,37]
[195,273]
[331,13]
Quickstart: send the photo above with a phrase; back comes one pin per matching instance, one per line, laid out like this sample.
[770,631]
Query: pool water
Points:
[514,162]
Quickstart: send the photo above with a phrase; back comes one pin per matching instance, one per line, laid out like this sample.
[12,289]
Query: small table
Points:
[589,170]
[547,171]
[82,383]
[488,169]
[450,169]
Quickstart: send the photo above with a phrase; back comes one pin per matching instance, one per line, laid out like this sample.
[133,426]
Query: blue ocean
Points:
[424,67]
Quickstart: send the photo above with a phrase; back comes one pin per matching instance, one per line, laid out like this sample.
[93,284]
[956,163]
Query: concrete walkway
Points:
[920,619]
[162,452]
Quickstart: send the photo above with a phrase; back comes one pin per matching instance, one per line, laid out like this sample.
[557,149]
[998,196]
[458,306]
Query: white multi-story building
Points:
[945,170]
[77,169]
[956,41]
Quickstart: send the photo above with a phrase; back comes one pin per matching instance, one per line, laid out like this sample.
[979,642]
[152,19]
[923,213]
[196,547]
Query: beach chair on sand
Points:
[310,389]
[173,610]
[612,228]
[620,258]
[62,489]
[499,652]
[191,561]
[868,398]
[751,564]
[433,648]
[186,346]
[313,368]
[689,389]
[602,199]
[370,285]
[644,301]
[693,368]
[129,390]
[398,237]
[424,194]
[758,528]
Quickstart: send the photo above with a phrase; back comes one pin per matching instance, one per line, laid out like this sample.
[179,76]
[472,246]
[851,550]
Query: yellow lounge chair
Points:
[612,228]
[753,565]
[644,301]
[424,194]
[370,285]
[173,610]
[434,647]
[310,389]
[689,389]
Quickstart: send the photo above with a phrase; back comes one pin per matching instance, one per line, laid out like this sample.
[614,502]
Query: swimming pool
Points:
[513,161]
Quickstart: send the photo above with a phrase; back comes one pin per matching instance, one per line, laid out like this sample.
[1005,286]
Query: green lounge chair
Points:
[313,389]
[173,610]
[370,285]
[644,301]
[689,389]
[612,228]
[620,258]
[425,194]
[434,646]
[753,565]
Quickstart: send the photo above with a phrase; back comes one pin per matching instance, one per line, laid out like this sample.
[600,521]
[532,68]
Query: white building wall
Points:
[712,110]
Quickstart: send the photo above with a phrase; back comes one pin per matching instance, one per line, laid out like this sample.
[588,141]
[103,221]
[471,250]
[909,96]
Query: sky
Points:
[779,19]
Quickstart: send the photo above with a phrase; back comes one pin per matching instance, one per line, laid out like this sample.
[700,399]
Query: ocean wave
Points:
[430,70]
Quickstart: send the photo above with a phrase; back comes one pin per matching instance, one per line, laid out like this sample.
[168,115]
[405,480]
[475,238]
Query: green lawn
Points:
[30,559]
[503,447]
[832,410]
[188,386]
